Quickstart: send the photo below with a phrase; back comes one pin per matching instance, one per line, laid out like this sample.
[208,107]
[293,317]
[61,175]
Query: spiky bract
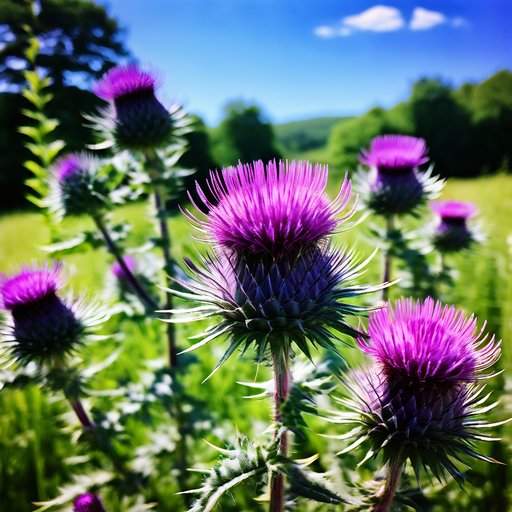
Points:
[452,232]
[78,186]
[395,185]
[87,502]
[424,341]
[140,121]
[300,300]
[42,325]
[274,209]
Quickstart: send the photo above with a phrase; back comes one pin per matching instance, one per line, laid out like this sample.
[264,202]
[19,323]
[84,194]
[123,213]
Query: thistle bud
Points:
[42,324]
[395,184]
[140,120]
[87,502]
[78,187]
[452,232]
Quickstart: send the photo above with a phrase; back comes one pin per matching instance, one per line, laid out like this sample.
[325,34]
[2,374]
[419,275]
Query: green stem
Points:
[386,273]
[390,488]
[143,295]
[165,238]
[280,363]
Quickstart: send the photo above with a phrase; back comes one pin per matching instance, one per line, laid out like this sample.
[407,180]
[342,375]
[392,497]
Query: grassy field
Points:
[31,445]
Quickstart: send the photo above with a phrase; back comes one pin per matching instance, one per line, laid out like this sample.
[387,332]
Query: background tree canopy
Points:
[467,129]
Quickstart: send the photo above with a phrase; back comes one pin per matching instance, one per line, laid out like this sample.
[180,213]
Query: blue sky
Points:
[302,58]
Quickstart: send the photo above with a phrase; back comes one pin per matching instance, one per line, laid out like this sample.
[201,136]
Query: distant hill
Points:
[297,137]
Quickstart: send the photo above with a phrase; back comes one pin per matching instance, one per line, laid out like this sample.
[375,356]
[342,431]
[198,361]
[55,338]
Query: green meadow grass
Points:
[32,445]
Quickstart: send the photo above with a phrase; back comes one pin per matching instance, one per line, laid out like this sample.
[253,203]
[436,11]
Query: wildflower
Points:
[42,325]
[87,502]
[452,232]
[139,120]
[395,184]
[420,399]
[275,209]
[78,186]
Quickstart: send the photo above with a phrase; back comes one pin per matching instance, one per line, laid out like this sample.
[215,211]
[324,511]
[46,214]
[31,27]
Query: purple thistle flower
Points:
[124,81]
[78,186]
[139,120]
[87,502]
[452,232]
[298,300]
[427,342]
[395,153]
[428,423]
[42,325]
[68,166]
[395,185]
[275,209]
[119,272]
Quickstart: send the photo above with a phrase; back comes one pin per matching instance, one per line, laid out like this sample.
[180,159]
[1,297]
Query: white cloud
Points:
[379,18]
[423,19]
[383,18]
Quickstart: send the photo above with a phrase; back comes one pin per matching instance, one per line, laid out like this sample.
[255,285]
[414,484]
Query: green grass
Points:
[32,444]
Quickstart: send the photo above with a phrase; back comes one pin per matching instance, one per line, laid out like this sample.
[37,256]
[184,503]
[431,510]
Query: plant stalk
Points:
[143,295]
[78,408]
[282,377]
[386,273]
[165,238]
[390,488]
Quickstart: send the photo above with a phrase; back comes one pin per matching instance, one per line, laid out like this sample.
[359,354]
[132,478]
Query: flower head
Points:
[426,342]
[302,300]
[395,153]
[420,399]
[119,272]
[87,502]
[42,325]
[138,120]
[394,184]
[452,232]
[275,209]
[429,424]
[78,186]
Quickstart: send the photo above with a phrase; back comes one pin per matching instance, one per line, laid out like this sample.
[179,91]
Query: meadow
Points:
[33,448]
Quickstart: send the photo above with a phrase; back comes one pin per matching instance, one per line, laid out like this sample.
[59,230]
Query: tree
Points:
[445,125]
[348,138]
[244,135]
[79,40]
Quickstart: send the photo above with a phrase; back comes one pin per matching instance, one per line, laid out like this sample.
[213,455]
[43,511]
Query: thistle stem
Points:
[386,273]
[143,295]
[280,362]
[165,238]
[77,406]
[390,488]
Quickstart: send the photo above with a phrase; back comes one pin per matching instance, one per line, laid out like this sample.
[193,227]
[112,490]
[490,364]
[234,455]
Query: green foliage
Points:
[79,37]
[466,129]
[299,136]
[243,135]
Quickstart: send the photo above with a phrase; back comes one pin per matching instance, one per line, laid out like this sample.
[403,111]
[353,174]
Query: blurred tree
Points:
[198,156]
[79,40]
[446,126]
[491,107]
[244,134]
[349,137]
